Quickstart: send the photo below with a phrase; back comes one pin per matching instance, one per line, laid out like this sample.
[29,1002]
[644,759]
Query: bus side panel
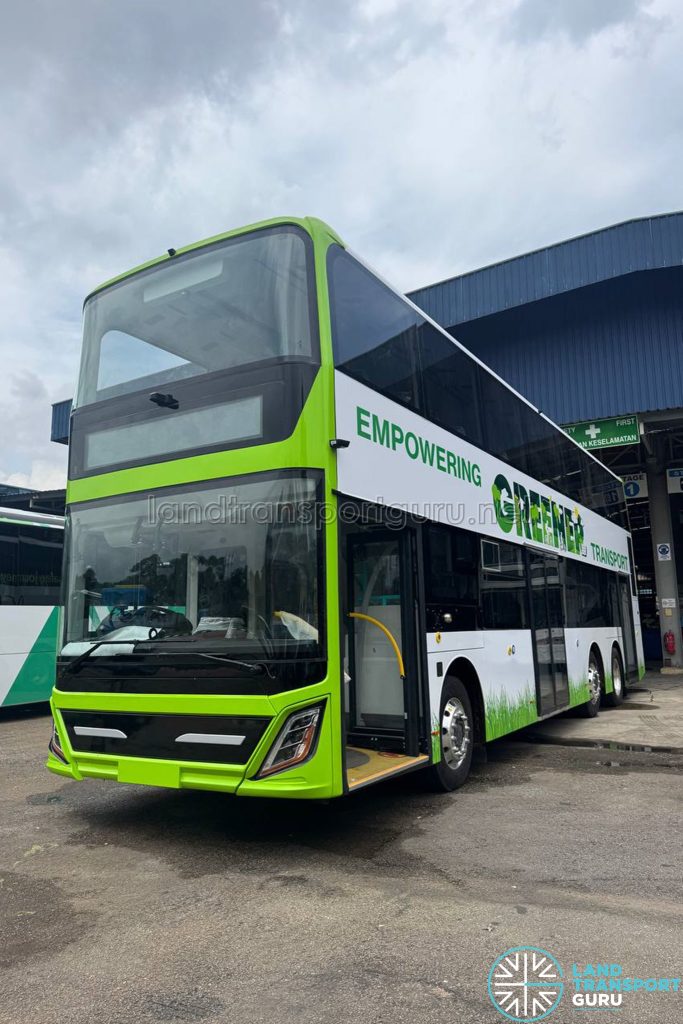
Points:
[578,643]
[504,663]
[28,643]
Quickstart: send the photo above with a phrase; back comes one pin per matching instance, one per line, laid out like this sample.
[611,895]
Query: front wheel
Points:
[456,734]
[615,698]
[595,688]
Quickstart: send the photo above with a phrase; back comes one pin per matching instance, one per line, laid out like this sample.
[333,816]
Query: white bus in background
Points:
[30,575]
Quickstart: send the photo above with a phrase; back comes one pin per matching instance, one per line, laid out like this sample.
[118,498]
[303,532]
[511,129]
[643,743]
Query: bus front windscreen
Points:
[243,301]
[233,569]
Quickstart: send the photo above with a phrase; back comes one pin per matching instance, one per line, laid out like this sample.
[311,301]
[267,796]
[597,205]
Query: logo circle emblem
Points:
[525,984]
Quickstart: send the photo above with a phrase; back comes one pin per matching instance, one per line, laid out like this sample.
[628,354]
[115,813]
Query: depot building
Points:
[591,331]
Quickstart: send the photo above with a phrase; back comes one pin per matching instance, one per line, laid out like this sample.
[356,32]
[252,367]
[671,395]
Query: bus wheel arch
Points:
[616,696]
[464,670]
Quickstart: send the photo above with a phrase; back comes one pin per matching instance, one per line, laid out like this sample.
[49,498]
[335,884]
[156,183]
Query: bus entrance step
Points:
[365,766]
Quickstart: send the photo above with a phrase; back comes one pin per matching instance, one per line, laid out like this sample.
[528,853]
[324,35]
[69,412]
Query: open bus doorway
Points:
[382,663]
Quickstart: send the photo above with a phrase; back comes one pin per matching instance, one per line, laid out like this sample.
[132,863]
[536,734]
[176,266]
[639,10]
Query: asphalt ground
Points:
[126,905]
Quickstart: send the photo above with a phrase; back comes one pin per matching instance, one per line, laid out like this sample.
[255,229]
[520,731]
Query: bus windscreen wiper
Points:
[254,668]
[77,662]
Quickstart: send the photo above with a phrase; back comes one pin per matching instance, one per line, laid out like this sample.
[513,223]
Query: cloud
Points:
[578,19]
[434,137]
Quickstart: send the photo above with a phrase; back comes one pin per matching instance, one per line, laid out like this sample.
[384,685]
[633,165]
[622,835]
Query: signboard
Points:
[664,552]
[607,433]
[668,602]
[674,481]
[635,486]
[397,458]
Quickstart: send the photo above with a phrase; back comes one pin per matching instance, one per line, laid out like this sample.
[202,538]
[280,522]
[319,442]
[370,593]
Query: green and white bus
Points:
[30,573]
[312,541]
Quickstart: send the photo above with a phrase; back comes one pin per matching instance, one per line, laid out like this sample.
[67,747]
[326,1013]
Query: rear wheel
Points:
[614,699]
[595,687]
[456,723]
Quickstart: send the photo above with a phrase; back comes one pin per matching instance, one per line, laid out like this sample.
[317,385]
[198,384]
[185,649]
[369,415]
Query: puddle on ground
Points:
[37,918]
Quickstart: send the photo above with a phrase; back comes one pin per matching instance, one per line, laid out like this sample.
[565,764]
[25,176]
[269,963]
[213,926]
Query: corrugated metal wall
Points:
[613,348]
[588,328]
[61,413]
[648,244]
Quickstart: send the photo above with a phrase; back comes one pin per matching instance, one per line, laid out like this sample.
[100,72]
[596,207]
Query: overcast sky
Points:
[434,135]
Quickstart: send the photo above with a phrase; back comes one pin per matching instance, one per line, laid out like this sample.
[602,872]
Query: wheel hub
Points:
[617,681]
[455,733]
[594,681]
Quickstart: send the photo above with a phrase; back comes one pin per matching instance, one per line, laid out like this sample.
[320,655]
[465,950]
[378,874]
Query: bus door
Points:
[628,633]
[381,663]
[547,621]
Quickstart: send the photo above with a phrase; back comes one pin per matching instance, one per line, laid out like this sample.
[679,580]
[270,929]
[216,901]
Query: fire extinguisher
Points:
[669,642]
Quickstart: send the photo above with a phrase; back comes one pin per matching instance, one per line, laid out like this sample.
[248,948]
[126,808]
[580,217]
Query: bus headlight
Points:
[295,742]
[55,747]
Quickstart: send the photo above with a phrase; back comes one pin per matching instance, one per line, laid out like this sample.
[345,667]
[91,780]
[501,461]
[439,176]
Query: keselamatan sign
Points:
[398,458]
[609,433]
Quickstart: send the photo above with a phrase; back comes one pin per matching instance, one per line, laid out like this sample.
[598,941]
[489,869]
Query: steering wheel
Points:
[152,615]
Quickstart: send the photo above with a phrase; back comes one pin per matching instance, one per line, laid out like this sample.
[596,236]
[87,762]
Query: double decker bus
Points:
[313,542]
[30,573]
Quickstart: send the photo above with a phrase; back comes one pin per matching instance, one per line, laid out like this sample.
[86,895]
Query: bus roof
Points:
[312,225]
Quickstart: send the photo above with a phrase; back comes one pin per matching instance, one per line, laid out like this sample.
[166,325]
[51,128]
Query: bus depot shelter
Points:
[591,331]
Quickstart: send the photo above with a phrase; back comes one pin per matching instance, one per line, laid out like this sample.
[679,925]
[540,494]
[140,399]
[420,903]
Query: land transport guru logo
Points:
[527,984]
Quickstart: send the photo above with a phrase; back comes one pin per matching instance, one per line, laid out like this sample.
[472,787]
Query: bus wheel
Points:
[595,687]
[614,699]
[457,737]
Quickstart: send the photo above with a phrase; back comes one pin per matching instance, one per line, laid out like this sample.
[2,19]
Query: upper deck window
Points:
[381,340]
[243,301]
[373,330]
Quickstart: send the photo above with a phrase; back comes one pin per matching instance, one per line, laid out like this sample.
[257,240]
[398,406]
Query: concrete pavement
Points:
[651,718]
[126,905]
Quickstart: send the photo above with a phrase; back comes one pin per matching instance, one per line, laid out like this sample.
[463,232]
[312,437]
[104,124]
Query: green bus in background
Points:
[30,573]
[312,541]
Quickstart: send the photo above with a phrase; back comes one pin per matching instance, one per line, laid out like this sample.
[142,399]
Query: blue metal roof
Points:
[9,490]
[587,328]
[650,243]
[61,414]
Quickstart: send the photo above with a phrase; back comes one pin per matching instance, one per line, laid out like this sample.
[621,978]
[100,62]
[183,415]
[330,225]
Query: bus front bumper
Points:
[318,777]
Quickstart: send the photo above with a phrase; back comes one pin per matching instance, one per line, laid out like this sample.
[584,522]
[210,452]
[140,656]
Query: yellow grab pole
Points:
[389,636]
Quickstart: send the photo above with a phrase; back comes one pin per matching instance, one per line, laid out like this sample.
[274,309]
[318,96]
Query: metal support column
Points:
[666,580]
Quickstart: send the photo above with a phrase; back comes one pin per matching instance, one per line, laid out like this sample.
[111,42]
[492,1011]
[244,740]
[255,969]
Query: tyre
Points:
[615,698]
[596,686]
[456,735]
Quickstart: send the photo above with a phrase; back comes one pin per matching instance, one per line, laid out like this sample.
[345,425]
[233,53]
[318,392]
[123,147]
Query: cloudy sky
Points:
[435,136]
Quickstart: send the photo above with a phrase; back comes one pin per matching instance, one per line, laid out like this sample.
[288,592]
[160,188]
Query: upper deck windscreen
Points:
[243,301]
